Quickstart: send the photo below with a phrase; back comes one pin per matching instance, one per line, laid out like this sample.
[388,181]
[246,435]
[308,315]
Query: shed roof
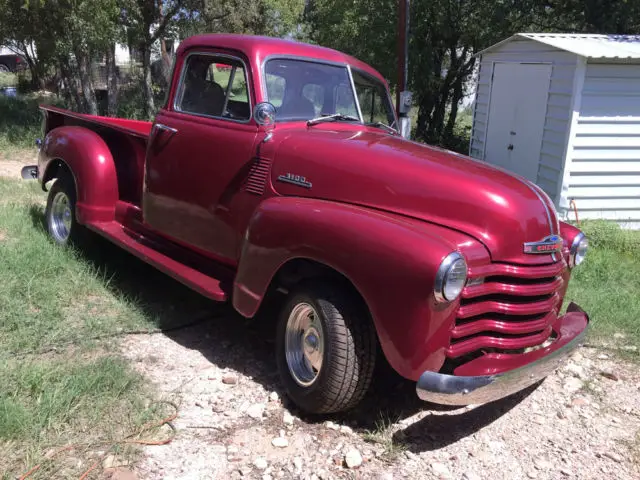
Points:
[585,45]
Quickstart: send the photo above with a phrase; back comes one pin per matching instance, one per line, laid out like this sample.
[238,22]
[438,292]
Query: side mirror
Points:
[265,114]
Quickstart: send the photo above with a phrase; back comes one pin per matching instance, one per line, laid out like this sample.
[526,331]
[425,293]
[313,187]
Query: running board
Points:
[133,242]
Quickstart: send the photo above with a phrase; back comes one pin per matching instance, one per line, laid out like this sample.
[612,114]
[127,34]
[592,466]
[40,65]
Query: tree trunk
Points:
[458,93]
[71,83]
[149,105]
[112,81]
[88,92]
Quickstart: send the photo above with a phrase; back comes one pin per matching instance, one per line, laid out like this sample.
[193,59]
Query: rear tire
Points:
[60,214]
[4,68]
[325,348]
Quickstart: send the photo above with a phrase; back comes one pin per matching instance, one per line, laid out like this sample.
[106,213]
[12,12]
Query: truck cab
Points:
[277,166]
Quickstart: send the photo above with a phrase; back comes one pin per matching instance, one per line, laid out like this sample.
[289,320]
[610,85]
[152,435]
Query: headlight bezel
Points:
[575,246]
[445,268]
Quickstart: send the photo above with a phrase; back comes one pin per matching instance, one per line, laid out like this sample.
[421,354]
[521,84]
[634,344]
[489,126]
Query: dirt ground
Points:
[582,422]
[10,165]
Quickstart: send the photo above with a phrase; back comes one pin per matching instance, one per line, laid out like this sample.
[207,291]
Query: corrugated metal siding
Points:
[605,168]
[558,114]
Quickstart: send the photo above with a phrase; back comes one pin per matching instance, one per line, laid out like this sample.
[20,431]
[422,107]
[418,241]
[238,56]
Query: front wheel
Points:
[326,348]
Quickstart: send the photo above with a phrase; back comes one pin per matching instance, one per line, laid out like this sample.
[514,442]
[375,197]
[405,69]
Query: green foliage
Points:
[19,122]
[607,286]
[608,235]
[607,283]
[8,80]
[365,29]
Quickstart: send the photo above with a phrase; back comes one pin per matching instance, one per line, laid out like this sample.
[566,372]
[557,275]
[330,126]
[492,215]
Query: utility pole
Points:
[403,97]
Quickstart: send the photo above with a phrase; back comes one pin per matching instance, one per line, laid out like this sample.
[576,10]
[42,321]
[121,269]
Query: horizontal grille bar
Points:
[532,290]
[485,342]
[502,326]
[517,271]
[488,306]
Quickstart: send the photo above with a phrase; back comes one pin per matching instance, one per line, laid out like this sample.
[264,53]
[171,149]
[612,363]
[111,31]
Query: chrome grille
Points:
[512,309]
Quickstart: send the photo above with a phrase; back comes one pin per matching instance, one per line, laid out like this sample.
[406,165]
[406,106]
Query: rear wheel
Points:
[326,348]
[60,213]
[4,68]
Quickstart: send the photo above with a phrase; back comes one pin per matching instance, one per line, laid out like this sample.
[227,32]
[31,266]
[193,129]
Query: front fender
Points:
[89,159]
[390,260]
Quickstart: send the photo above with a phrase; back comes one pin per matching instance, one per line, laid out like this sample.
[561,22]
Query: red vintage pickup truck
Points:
[276,166]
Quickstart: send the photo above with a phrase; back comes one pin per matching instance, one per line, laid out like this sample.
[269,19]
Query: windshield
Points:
[303,90]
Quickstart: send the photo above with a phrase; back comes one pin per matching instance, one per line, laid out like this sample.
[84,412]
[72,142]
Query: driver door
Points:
[197,152]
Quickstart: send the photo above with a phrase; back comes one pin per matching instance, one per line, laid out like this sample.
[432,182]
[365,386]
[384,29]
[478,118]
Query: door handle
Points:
[157,141]
[510,147]
[164,128]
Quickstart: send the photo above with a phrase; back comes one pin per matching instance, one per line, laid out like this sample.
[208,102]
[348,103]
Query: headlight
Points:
[450,278]
[578,250]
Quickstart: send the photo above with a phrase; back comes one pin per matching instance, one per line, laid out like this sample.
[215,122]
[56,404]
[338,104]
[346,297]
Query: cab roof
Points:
[257,48]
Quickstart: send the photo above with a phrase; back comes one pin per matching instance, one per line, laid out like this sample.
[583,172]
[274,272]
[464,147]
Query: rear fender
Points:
[88,158]
[391,262]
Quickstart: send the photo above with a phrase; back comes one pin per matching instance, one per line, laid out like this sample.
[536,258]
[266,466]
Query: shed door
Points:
[516,116]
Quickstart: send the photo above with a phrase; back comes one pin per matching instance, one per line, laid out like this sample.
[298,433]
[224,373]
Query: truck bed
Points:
[138,128]
[126,139]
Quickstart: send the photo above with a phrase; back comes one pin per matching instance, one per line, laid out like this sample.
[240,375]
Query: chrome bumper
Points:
[458,390]
[30,172]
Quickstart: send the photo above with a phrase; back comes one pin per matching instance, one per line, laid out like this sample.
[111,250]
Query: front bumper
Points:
[533,367]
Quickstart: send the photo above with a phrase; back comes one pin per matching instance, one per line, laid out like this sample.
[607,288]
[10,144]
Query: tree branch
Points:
[165,21]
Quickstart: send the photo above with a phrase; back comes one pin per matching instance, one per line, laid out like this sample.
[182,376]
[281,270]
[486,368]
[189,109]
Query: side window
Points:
[373,100]
[214,86]
[371,105]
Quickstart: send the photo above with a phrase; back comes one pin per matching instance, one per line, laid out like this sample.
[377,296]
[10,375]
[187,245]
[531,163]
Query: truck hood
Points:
[390,173]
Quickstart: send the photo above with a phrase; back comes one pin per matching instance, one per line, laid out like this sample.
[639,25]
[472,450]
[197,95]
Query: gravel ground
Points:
[582,422]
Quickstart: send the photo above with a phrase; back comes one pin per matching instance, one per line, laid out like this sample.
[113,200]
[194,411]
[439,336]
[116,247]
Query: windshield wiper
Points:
[333,117]
[382,125]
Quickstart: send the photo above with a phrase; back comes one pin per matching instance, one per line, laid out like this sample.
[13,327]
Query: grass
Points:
[19,123]
[607,285]
[382,435]
[84,393]
[8,80]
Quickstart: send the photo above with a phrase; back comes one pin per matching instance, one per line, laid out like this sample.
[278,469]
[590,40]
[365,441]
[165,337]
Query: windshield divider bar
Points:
[355,94]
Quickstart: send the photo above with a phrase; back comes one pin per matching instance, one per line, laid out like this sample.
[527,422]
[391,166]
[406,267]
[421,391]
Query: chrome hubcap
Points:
[304,344]
[61,217]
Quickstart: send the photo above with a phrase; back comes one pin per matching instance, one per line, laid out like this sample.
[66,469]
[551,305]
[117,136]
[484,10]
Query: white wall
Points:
[558,114]
[604,177]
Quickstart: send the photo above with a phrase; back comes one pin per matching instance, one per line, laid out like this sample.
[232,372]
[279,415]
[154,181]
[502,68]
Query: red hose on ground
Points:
[575,210]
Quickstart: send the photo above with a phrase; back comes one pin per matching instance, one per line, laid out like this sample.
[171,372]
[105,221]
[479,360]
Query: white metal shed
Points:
[563,110]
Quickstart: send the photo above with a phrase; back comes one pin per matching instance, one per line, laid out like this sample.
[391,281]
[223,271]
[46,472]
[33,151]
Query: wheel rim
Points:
[61,217]
[304,344]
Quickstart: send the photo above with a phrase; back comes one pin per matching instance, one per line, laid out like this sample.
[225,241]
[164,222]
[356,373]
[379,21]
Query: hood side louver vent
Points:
[258,176]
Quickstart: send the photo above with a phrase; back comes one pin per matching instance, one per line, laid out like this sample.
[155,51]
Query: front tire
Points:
[326,348]
[60,213]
